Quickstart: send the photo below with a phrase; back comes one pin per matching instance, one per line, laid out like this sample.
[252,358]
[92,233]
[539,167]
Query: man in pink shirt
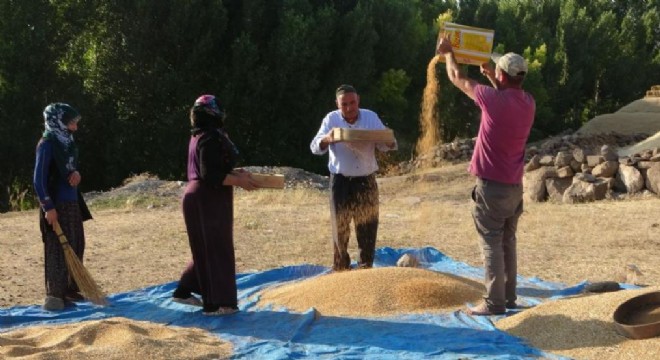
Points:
[507,115]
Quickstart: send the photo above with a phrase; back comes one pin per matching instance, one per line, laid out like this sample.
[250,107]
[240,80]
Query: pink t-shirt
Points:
[506,119]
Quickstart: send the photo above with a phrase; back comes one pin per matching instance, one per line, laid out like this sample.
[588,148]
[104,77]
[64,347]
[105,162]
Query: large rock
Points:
[579,155]
[605,169]
[601,187]
[586,177]
[652,178]
[534,183]
[579,192]
[547,160]
[556,187]
[563,158]
[565,172]
[575,165]
[533,164]
[629,180]
[593,160]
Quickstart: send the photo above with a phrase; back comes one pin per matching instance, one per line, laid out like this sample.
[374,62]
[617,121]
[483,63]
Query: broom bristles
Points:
[79,273]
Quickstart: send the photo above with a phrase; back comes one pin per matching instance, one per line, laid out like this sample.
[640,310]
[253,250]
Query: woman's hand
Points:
[245,180]
[51,216]
[74,179]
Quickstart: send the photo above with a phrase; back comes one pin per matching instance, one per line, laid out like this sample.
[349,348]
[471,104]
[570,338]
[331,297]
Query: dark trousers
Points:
[209,218]
[356,199]
[496,210]
[59,283]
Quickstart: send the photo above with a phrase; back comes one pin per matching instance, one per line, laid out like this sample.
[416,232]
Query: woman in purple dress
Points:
[208,212]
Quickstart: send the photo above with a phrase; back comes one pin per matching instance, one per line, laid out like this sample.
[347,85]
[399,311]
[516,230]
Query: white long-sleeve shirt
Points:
[350,158]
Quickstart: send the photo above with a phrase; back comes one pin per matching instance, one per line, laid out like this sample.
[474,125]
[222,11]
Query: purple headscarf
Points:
[209,104]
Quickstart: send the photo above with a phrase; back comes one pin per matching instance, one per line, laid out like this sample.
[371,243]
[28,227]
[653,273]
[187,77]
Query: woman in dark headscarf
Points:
[56,180]
[208,212]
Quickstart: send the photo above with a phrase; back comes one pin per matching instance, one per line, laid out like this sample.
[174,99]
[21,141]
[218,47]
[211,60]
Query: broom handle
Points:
[59,233]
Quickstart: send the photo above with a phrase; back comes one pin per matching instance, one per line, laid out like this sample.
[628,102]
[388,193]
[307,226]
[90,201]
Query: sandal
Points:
[482,310]
[511,305]
[221,311]
[191,300]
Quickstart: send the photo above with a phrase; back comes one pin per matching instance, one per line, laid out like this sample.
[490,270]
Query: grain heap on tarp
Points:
[640,116]
[582,328]
[375,292]
[113,338]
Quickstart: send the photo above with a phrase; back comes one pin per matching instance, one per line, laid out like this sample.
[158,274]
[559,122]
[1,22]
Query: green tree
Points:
[33,35]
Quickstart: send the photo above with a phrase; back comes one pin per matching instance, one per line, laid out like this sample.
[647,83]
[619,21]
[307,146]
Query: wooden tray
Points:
[271,181]
[346,134]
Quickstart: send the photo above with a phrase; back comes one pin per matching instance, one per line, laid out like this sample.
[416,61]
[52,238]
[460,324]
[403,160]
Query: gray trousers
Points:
[496,210]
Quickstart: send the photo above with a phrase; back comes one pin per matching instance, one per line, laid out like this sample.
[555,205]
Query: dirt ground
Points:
[140,244]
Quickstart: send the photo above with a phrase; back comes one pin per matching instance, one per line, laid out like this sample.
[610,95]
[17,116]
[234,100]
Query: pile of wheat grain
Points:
[582,328]
[111,339]
[375,292]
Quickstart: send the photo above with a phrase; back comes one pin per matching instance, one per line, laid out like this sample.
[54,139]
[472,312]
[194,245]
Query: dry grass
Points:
[138,246]
[581,328]
[375,292]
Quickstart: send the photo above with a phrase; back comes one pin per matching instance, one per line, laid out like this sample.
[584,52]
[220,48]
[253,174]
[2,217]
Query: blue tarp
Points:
[282,334]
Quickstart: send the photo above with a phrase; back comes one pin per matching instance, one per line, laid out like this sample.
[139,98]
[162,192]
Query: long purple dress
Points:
[209,218]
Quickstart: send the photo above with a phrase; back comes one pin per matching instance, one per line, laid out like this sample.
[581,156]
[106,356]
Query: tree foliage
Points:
[133,69]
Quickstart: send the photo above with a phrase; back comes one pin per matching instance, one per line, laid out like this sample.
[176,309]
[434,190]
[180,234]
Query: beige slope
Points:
[644,105]
[640,116]
[625,123]
[649,143]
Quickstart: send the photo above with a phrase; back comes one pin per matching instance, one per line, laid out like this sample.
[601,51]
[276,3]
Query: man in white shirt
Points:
[353,166]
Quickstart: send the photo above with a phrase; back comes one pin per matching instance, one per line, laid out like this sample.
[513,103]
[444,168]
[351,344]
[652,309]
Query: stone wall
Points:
[578,175]
[460,150]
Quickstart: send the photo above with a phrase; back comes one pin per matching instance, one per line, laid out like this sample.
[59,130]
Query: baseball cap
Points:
[512,63]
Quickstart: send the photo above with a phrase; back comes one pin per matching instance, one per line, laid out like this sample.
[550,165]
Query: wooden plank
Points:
[356,135]
[270,181]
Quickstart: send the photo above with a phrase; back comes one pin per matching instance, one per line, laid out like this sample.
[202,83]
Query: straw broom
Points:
[80,275]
